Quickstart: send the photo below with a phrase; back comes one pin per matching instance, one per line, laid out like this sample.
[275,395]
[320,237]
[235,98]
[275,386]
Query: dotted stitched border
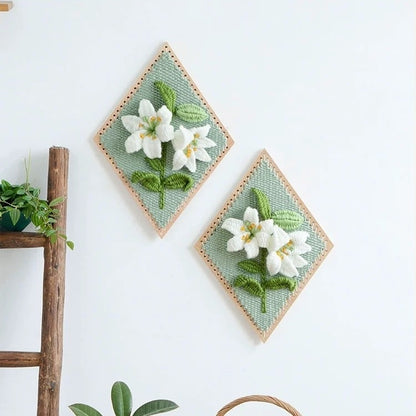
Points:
[264,156]
[108,123]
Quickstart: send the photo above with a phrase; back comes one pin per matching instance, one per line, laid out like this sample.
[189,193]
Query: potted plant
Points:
[122,404]
[21,205]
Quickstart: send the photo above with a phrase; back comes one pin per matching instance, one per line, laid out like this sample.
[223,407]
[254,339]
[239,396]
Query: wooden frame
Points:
[199,246]
[115,114]
[5,6]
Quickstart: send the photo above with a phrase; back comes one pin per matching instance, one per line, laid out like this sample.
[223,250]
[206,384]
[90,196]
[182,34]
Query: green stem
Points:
[263,278]
[263,302]
[162,177]
[162,199]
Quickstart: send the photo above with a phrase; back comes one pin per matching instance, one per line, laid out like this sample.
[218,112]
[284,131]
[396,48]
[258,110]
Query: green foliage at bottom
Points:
[122,402]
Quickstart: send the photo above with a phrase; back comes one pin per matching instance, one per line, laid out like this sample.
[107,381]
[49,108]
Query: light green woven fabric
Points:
[113,139]
[265,179]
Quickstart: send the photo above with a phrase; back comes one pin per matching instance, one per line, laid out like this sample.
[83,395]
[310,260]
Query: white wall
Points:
[328,88]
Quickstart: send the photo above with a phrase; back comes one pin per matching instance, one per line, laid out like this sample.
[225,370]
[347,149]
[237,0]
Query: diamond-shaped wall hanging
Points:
[264,245]
[163,140]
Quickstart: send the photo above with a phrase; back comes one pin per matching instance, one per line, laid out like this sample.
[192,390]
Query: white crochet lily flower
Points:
[149,130]
[249,234]
[285,252]
[190,145]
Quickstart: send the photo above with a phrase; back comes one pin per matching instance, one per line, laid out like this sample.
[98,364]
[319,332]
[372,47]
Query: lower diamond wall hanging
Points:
[163,139]
[264,245]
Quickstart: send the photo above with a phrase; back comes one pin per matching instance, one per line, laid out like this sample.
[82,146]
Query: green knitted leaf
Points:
[288,220]
[179,181]
[250,285]
[263,203]
[148,180]
[121,399]
[155,164]
[84,410]
[167,93]
[280,283]
[250,266]
[191,113]
[154,407]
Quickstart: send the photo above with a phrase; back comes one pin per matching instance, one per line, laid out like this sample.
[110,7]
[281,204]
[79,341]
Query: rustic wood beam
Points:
[19,359]
[53,292]
[21,240]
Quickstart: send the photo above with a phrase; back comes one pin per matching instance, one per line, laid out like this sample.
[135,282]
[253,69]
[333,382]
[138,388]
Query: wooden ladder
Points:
[49,359]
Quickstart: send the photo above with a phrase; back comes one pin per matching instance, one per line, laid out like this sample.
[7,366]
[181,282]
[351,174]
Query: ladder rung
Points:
[19,359]
[21,240]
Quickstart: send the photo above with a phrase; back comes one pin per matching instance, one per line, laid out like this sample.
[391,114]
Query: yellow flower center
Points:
[285,250]
[250,229]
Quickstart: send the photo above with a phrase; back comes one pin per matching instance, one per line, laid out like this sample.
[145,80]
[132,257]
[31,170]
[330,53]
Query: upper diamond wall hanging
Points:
[264,245]
[163,139]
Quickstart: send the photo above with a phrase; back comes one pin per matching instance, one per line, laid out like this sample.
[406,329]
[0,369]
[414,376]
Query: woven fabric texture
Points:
[164,69]
[264,178]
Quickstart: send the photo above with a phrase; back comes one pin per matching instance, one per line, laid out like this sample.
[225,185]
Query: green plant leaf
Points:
[155,164]
[148,180]
[121,399]
[5,185]
[179,181]
[167,93]
[249,284]
[280,282]
[262,203]
[154,407]
[56,201]
[288,220]
[14,215]
[70,244]
[84,410]
[191,113]
[250,266]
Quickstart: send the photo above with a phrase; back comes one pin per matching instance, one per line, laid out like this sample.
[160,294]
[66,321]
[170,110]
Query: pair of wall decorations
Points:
[164,140]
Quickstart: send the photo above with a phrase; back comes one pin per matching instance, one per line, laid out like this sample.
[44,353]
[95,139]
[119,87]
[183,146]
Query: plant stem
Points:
[263,302]
[162,177]
[263,278]
[162,199]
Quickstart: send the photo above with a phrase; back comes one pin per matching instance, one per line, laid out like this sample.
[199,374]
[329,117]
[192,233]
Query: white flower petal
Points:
[178,141]
[133,143]
[179,160]
[152,148]
[235,244]
[288,269]
[191,162]
[204,142]
[299,245]
[298,261]
[202,155]
[251,215]
[262,239]
[233,225]
[187,134]
[267,226]
[164,132]
[299,236]
[302,248]
[201,131]
[273,263]
[252,248]
[146,109]
[131,123]
[278,239]
[164,114]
